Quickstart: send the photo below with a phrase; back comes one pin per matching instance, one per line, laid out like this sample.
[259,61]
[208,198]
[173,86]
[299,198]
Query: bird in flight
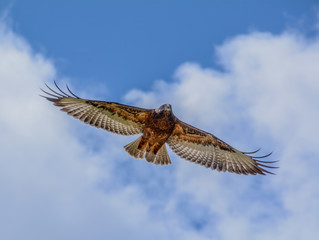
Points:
[158,127]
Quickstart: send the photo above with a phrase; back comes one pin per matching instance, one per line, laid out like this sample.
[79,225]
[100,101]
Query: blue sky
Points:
[138,41]
[245,71]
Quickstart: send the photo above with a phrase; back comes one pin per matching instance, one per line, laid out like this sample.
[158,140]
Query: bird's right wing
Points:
[111,116]
[205,149]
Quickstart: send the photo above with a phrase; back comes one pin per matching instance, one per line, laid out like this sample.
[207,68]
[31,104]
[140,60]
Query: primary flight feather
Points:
[158,127]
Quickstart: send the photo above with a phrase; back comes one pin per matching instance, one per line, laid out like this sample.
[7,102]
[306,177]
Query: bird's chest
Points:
[158,129]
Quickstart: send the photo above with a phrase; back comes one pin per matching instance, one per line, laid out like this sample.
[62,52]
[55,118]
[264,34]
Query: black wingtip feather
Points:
[71,91]
[57,95]
[49,98]
[66,95]
[264,155]
[266,166]
[262,164]
[265,171]
[49,93]
[252,152]
[259,161]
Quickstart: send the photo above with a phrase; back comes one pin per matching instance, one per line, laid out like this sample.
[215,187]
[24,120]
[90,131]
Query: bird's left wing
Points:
[111,116]
[204,148]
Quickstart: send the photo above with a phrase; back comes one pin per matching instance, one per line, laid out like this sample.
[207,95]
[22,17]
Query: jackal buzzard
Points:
[158,126]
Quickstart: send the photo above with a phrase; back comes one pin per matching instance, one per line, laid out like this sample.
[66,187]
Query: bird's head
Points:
[165,109]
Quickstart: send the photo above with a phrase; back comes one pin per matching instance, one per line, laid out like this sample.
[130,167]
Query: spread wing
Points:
[111,116]
[204,148]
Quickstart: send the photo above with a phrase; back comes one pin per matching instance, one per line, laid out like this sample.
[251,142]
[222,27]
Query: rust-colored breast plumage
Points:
[156,131]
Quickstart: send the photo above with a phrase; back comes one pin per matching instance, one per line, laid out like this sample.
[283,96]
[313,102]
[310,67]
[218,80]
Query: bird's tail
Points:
[161,157]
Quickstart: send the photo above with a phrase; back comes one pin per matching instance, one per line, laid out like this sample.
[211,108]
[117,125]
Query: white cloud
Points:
[50,183]
[269,92]
[58,184]
[194,87]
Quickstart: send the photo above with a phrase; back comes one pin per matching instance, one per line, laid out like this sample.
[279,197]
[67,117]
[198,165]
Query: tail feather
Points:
[132,149]
[150,157]
[161,157]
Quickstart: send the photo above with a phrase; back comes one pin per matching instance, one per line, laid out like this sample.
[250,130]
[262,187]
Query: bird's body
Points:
[158,127]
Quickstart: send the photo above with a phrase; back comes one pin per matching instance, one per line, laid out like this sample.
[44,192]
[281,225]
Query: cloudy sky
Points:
[247,72]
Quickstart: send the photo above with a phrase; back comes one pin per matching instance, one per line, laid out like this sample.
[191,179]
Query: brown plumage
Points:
[158,126]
